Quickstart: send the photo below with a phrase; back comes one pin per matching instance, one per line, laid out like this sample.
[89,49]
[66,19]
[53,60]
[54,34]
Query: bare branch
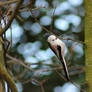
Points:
[19,62]
[11,17]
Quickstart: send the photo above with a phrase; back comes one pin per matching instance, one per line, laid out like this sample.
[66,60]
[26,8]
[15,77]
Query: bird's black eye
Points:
[53,40]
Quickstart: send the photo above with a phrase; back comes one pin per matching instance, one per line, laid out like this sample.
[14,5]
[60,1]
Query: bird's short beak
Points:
[47,35]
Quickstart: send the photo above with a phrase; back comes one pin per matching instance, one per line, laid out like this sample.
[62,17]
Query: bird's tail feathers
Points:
[65,69]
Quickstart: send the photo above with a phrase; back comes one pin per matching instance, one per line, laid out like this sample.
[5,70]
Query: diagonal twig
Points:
[19,62]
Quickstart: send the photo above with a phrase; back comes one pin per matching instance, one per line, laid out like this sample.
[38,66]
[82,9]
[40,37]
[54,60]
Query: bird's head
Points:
[52,38]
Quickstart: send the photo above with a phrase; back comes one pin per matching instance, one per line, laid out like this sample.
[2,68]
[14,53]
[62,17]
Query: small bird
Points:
[58,47]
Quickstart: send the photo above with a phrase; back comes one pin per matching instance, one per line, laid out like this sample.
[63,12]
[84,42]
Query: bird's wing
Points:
[59,52]
[52,48]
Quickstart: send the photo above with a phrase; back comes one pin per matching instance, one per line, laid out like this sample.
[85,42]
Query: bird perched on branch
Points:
[58,47]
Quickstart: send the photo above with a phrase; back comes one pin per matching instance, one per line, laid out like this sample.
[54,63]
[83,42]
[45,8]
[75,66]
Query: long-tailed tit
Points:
[58,47]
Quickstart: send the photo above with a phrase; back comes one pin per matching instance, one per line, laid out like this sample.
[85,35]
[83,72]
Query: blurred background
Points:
[64,18]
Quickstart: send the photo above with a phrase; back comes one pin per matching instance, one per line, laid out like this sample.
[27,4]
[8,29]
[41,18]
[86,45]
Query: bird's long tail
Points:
[65,68]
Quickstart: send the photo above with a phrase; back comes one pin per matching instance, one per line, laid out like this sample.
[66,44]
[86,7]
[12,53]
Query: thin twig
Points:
[51,28]
[19,62]
[11,17]
[61,75]
[42,87]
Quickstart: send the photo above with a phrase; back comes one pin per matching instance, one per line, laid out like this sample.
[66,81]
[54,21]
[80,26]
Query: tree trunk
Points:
[4,75]
[88,41]
[1,63]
